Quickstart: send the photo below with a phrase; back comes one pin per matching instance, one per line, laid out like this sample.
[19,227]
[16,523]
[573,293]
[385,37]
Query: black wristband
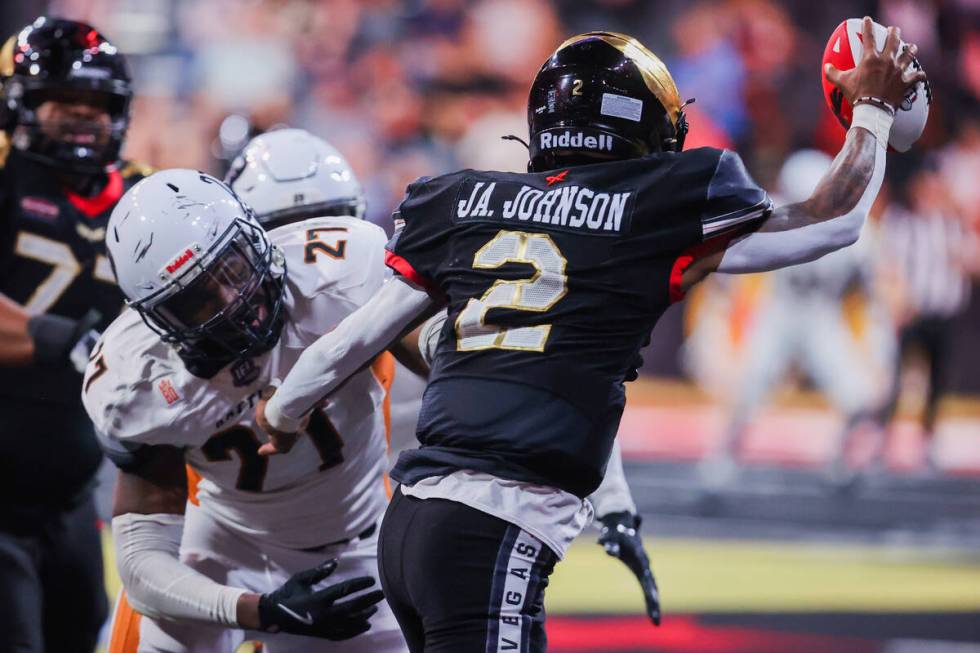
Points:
[53,336]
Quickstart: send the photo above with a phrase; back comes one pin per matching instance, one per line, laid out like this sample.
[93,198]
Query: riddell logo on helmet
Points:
[578,139]
[179,262]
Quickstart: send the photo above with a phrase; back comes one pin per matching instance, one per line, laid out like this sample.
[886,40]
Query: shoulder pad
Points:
[333,252]
[733,198]
[135,169]
[131,389]
[421,181]
[333,266]
[430,184]
[428,189]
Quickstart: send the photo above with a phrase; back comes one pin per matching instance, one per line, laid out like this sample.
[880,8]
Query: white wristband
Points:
[875,119]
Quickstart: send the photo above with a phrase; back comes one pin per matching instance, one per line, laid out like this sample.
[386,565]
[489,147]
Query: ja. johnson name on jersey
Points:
[571,206]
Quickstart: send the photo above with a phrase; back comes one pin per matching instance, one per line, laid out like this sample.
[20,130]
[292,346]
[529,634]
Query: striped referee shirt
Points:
[929,253]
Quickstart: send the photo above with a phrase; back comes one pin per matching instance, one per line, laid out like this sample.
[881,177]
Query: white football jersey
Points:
[330,485]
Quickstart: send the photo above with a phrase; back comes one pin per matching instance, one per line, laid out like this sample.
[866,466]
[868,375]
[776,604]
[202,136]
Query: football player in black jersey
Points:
[553,280]
[64,108]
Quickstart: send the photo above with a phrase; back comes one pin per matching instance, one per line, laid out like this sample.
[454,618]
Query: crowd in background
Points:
[419,87]
[412,87]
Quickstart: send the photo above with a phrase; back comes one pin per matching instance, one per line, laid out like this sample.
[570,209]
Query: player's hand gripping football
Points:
[620,536]
[279,442]
[298,608]
[878,74]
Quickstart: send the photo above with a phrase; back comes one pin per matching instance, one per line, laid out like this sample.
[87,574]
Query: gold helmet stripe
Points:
[654,72]
[7,57]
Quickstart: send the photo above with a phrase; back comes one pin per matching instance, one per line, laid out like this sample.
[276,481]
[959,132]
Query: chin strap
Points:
[511,137]
[680,129]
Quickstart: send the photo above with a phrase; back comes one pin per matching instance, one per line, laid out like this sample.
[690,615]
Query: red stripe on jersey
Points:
[676,275]
[404,268]
[699,251]
[98,204]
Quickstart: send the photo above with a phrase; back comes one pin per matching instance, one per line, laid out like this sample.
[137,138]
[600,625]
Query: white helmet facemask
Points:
[198,268]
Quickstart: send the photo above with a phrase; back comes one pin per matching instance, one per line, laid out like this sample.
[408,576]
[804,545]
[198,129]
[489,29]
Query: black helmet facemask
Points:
[55,60]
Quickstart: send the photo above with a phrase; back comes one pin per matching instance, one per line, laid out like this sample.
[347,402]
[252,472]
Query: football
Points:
[844,48]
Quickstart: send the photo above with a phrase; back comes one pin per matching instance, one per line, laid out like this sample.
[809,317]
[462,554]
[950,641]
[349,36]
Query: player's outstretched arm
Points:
[147,526]
[832,217]
[332,359]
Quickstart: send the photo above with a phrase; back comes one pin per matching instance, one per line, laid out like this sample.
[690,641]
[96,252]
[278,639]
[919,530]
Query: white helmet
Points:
[289,174]
[196,264]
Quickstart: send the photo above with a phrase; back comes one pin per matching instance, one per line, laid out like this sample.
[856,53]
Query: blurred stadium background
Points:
[765,531]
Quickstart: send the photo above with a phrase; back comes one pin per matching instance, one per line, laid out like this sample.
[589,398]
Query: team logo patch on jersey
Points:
[38,207]
[244,372]
[168,391]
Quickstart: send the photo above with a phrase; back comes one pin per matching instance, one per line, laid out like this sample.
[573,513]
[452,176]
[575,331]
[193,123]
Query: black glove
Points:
[57,339]
[299,609]
[620,536]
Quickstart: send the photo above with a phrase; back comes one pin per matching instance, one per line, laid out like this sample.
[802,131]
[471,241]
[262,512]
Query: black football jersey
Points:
[53,260]
[554,281]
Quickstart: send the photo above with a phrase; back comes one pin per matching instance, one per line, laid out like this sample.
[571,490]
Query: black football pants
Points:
[462,581]
[52,591]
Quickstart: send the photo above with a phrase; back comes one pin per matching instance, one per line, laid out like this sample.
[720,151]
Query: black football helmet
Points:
[57,59]
[600,96]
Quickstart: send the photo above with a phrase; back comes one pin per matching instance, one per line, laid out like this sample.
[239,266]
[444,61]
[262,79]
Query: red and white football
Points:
[844,49]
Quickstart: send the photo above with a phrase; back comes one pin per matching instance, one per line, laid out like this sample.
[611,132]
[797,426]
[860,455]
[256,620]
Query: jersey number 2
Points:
[538,293]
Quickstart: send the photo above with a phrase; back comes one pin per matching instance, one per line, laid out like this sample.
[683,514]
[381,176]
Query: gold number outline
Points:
[65,269]
[520,257]
[314,245]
